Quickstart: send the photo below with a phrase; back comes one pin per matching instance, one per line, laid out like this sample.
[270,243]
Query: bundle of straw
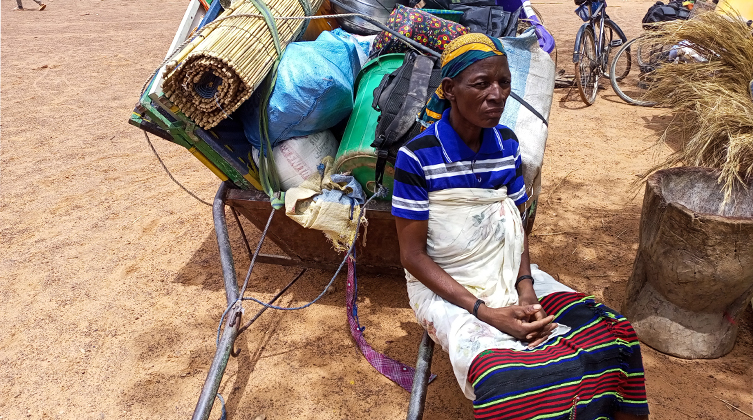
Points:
[710,100]
[229,58]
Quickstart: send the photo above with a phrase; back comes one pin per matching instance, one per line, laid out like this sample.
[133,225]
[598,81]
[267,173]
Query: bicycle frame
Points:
[598,17]
[600,12]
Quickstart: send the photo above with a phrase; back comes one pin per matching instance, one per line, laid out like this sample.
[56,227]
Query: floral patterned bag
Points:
[419,26]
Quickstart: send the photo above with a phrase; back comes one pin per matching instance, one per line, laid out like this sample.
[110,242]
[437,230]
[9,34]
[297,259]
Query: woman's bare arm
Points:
[526,295]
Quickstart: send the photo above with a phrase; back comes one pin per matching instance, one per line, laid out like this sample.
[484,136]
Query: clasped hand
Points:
[527,322]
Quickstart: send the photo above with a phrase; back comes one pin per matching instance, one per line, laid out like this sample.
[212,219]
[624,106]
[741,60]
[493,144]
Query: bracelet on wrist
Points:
[476,306]
[523,277]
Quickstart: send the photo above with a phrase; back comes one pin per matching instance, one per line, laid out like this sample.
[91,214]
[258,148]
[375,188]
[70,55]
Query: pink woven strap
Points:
[400,373]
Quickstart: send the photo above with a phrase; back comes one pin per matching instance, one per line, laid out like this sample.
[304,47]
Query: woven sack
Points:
[533,74]
[420,26]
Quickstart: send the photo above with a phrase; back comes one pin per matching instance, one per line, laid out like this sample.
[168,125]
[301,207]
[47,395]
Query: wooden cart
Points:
[304,248]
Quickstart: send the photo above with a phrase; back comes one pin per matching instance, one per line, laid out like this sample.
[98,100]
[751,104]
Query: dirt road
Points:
[110,285]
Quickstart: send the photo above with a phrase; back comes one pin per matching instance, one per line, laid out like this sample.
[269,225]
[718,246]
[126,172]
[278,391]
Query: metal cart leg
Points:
[225,346]
[421,378]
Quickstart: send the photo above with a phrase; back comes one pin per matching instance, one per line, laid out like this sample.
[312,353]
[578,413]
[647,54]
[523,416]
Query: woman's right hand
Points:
[514,320]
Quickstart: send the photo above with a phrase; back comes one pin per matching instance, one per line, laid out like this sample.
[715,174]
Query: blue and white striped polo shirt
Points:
[438,159]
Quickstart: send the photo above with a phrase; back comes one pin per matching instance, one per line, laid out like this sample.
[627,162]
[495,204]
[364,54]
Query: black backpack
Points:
[661,12]
[482,16]
[399,98]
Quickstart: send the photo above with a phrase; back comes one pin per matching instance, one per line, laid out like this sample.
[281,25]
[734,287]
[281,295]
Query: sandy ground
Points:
[110,285]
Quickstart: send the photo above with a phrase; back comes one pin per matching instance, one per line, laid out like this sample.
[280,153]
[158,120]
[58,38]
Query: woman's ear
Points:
[448,86]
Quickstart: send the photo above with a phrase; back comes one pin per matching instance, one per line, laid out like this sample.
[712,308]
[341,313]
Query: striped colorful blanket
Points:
[588,373]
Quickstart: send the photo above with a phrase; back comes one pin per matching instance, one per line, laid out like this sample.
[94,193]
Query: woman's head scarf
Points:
[460,53]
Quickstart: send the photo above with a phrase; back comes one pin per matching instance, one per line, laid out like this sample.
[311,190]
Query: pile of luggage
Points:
[334,88]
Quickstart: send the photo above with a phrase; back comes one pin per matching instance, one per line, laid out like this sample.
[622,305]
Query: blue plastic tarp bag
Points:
[313,90]
[363,43]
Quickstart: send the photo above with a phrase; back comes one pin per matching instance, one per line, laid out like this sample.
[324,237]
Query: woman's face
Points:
[480,91]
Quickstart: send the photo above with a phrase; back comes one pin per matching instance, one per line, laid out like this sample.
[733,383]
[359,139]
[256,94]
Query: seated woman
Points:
[521,344]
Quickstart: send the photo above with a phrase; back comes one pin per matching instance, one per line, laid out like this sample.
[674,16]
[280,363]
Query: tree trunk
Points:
[693,273]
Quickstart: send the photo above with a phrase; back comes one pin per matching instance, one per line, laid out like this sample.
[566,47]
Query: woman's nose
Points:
[496,93]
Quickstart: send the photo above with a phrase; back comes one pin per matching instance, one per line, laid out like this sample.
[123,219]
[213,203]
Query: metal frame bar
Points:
[421,378]
[227,341]
[223,241]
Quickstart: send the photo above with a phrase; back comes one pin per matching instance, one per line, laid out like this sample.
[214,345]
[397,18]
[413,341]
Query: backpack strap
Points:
[414,100]
[529,107]
[386,81]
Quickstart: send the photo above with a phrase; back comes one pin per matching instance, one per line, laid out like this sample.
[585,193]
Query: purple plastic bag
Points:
[546,40]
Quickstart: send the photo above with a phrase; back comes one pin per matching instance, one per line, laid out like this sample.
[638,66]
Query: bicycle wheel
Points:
[613,40]
[632,87]
[587,67]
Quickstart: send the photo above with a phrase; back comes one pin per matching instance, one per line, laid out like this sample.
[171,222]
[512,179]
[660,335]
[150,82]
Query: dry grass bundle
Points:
[215,73]
[711,100]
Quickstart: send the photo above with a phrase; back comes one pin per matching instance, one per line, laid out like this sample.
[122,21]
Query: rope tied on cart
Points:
[396,371]
[268,175]
[351,251]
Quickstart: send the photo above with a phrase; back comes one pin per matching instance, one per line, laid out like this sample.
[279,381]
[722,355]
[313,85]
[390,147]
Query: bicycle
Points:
[591,53]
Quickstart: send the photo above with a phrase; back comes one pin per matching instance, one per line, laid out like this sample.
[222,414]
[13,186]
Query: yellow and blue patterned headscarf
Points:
[460,53]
